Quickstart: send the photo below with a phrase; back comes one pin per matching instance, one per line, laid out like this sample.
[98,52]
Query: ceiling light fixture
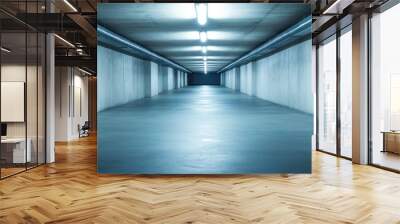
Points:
[203,36]
[205,67]
[84,71]
[204,49]
[65,41]
[204,58]
[5,50]
[79,51]
[70,5]
[201,13]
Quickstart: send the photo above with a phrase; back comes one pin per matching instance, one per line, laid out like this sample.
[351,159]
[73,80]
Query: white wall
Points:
[62,97]
[71,102]
[79,117]
[284,78]
[34,126]
[16,73]
[123,78]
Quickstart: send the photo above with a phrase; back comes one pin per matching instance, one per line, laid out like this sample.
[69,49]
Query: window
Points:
[385,89]
[22,77]
[346,92]
[327,95]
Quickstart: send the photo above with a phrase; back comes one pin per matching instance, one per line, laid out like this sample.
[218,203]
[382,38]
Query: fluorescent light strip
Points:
[203,36]
[204,49]
[70,5]
[5,50]
[64,40]
[86,72]
[204,58]
[205,67]
[201,12]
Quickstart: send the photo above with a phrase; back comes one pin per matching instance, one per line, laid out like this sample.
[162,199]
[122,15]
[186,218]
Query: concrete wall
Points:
[123,78]
[284,78]
[120,78]
[246,84]
[162,70]
[232,78]
[182,79]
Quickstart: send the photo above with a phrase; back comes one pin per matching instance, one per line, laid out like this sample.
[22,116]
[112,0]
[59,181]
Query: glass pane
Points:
[327,96]
[346,93]
[23,90]
[13,86]
[386,89]
[32,87]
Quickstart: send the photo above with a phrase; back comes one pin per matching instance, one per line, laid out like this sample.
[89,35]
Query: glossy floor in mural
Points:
[204,130]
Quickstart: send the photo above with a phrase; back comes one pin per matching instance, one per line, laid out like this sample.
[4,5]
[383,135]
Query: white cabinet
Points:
[19,155]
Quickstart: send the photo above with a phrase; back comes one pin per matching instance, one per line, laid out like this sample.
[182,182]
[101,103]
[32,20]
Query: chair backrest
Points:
[86,124]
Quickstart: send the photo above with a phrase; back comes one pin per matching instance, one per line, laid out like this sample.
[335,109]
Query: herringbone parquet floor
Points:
[70,191]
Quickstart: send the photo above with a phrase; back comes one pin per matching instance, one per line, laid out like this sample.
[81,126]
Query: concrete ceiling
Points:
[171,30]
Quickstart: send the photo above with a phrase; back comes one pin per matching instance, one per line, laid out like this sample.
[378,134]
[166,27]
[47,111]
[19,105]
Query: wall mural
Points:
[160,113]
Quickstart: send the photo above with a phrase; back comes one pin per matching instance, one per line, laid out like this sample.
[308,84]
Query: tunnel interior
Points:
[206,88]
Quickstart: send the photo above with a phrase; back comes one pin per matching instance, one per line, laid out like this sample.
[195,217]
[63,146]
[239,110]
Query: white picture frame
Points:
[12,101]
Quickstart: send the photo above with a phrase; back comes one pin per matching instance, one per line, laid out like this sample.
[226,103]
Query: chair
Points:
[84,130]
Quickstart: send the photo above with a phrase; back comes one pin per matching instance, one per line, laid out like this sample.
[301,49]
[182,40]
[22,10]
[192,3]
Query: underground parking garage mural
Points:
[257,117]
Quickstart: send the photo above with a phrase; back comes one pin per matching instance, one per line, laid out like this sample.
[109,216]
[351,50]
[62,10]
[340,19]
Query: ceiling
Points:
[171,30]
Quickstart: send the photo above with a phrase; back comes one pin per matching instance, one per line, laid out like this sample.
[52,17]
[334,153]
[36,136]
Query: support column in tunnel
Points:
[175,79]
[170,79]
[186,79]
[236,79]
[161,73]
[246,79]
[151,80]
[231,79]
[178,81]
[182,79]
[243,79]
